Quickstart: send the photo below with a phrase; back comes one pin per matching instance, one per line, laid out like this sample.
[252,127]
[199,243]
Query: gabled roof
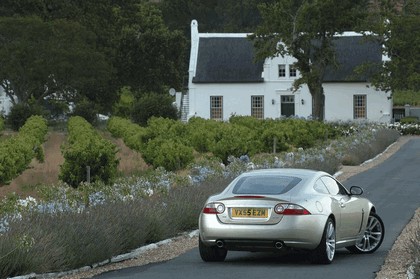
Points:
[353,52]
[231,60]
[227,59]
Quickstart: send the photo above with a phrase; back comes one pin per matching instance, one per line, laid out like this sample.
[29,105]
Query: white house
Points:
[225,81]
[5,103]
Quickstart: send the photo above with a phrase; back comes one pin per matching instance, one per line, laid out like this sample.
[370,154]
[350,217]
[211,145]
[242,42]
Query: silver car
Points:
[284,209]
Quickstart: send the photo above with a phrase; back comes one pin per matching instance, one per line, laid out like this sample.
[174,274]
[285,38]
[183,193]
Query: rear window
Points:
[265,185]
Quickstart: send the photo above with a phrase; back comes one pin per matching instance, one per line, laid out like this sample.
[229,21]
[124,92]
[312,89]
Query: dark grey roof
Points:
[227,59]
[352,53]
[231,59]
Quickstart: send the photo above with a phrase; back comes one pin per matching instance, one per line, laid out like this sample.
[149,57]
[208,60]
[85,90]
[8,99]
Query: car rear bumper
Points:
[292,231]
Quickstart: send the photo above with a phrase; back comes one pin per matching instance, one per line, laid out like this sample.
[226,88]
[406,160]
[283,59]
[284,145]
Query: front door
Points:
[287,107]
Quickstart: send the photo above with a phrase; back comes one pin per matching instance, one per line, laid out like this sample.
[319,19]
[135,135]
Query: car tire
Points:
[211,253]
[372,238]
[324,253]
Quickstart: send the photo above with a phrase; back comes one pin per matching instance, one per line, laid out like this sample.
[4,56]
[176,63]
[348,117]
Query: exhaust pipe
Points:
[278,245]
[220,243]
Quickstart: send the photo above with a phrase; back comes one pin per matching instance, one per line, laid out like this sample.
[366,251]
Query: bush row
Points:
[169,151]
[87,155]
[131,133]
[18,151]
[172,144]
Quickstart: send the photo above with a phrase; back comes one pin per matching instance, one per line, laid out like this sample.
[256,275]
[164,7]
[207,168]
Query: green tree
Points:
[150,56]
[306,31]
[87,110]
[56,59]
[124,106]
[126,43]
[239,16]
[153,104]
[179,13]
[20,113]
[214,15]
[398,23]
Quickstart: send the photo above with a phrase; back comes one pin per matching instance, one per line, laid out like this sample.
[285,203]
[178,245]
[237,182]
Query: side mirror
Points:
[356,190]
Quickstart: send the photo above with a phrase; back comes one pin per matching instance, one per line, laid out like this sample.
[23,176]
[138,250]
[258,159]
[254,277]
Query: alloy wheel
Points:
[373,235]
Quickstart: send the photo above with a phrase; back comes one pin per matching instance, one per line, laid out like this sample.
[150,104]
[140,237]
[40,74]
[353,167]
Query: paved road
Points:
[394,187]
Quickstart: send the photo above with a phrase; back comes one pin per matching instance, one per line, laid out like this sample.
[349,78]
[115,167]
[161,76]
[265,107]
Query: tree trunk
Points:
[318,105]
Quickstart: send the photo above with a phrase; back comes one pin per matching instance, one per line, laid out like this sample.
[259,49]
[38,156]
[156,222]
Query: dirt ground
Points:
[47,172]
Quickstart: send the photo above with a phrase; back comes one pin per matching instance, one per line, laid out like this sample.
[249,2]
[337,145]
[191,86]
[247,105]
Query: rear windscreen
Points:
[265,185]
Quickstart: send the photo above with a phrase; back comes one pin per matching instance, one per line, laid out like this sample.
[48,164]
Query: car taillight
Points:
[290,209]
[214,208]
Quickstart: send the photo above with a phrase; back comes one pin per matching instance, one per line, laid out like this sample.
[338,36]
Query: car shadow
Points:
[287,258]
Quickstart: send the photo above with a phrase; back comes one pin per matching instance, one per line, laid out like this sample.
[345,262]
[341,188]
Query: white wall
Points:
[237,99]
[5,103]
[339,102]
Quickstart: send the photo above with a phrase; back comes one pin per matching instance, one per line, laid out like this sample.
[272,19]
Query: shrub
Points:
[87,110]
[409,120]
[20,112]
[407,128]
[201,133]
[247,121]
[286,133]
[86,148]
[234,140]
[170,154]
[165,128]
[132,134]
[41,243]
[274,139]
[153,104]
[359,151]
[18,151]
[124,107]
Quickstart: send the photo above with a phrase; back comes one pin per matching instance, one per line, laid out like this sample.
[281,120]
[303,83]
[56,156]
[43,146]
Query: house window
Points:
[216,107]
[287,106]
[359,106]
[292,71]
[282,70]
[257,106]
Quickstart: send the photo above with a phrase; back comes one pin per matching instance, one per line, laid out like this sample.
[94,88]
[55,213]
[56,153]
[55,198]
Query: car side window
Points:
[320,187]
[343,190]
[333,186]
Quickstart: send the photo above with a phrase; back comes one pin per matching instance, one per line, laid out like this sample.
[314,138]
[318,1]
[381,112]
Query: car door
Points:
[350,208]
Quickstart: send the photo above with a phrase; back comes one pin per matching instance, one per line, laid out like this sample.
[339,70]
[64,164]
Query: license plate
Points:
[249,212]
